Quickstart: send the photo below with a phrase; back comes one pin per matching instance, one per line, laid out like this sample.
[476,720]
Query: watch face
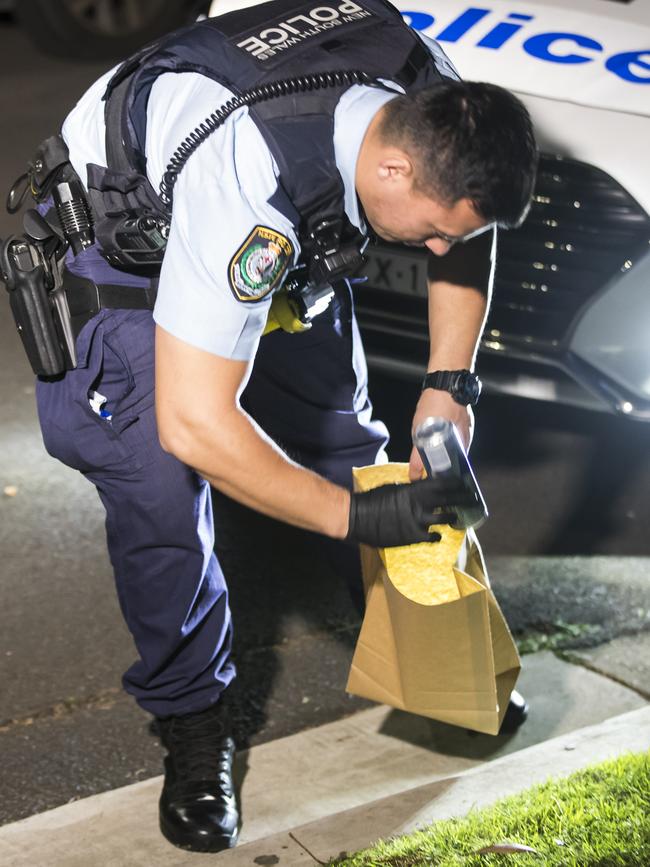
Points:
[468,388]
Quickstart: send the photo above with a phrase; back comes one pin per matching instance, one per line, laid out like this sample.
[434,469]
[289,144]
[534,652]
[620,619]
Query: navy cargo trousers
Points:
[307,391]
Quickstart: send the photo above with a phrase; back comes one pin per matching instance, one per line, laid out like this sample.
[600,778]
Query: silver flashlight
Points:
[442,453]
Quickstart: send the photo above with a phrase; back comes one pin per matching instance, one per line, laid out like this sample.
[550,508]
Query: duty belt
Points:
[86,298]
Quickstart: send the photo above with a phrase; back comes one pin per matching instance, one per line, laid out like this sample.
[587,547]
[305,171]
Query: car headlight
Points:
[613,333]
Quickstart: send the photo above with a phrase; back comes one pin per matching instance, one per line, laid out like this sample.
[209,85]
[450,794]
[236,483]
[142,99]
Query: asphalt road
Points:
[557,481]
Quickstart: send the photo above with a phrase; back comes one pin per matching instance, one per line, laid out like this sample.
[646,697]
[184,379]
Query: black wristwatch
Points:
[463,385]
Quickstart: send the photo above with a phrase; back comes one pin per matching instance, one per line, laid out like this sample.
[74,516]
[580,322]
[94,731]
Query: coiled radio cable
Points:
[261,93]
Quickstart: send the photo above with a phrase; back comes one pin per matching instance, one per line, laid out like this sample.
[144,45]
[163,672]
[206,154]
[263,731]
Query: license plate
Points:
[396,271]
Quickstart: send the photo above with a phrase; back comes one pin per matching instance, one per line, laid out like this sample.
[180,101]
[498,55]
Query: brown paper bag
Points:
[453,661]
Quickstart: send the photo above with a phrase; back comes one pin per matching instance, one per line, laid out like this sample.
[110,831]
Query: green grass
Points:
[556,636]
[599,817]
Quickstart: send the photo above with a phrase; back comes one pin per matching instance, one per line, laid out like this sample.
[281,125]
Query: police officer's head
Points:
[445,162]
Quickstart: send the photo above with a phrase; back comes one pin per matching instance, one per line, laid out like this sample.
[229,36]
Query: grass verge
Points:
[556,636]
[598,817]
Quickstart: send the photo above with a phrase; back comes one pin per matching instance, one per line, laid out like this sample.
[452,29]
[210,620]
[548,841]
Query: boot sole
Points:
[198,843]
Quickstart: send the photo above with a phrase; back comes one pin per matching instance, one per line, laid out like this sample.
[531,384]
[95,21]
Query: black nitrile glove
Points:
[402,514]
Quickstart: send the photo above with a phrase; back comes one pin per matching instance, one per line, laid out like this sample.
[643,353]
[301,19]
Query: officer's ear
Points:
[395,166]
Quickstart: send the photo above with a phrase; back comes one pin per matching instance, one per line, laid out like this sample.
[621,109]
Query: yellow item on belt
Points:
[283,315]
[423,572]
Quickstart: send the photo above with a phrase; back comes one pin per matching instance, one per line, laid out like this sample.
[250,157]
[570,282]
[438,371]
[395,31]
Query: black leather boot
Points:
[515,715]
[198,807]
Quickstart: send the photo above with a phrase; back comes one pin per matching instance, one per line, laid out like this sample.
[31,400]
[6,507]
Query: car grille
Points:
[582,229]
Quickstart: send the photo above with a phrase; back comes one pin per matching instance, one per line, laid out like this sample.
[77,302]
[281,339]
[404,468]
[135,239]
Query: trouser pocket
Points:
[74,430]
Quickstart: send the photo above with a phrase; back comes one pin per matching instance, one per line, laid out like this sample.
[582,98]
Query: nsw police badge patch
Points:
[260,264]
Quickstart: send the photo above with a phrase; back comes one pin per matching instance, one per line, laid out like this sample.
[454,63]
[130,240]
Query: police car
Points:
[570,316]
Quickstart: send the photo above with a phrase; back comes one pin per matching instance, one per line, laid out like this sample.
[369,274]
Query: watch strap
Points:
[441,379]
[456,383]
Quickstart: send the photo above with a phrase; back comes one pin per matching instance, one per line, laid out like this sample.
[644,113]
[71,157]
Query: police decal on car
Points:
[259,265]
[604,59]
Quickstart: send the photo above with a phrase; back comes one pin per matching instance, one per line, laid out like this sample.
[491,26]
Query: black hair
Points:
[471,140]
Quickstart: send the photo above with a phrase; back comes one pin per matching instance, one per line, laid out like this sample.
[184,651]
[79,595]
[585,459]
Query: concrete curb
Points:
[349,831]
[344,784]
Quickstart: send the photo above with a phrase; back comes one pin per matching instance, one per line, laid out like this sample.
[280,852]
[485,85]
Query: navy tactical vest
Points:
[253,48]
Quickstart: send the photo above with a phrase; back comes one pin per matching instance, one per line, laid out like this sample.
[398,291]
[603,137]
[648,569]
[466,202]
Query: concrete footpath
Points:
[339,787]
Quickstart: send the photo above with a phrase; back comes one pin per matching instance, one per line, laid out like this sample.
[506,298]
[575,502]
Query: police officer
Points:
[159,407]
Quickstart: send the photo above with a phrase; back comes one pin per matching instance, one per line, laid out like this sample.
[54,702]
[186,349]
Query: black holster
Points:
[39,306]
[50,305]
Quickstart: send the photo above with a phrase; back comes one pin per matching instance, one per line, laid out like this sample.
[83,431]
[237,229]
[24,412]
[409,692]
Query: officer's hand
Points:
[402,514]
[434,402]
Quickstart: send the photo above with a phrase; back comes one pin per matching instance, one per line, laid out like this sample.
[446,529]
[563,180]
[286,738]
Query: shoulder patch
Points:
[260,264]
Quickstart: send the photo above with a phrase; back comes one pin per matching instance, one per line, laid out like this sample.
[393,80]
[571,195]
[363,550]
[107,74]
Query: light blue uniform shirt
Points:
[221,195]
